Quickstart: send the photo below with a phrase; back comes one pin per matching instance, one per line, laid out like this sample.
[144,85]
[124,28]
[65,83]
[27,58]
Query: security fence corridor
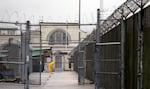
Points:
[114,56]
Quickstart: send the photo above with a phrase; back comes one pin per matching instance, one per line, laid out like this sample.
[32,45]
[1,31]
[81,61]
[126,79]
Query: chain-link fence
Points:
[20,54]
[121,59]
[12,62]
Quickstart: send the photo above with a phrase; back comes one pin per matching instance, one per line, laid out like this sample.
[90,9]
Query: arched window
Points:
[58,37]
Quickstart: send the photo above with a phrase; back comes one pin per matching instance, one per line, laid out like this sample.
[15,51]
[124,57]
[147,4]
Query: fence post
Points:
[80,63]
[27,54]
[40,54]
[140,49]
[79,73]
[122,52]
[97,52]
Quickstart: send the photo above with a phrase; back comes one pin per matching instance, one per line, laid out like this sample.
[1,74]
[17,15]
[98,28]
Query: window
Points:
[58,37]
[4,32]
[7,32]
[11,32]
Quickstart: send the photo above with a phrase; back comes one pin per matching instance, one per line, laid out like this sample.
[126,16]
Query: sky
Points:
[55,10]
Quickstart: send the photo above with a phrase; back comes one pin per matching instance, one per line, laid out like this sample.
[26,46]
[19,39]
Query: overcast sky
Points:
[54,10]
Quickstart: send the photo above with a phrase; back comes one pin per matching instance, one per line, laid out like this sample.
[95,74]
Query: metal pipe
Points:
[63,42]
[63,24]
[110,73]
[11,22]
[108,43]
[110,60]
[12,62]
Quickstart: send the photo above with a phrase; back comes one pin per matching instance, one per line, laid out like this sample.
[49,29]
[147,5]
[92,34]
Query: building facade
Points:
[62,38]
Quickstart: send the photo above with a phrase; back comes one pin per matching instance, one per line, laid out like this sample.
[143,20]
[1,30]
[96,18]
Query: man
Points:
[50,67]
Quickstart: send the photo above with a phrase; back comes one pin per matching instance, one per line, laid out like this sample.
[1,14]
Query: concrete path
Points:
[58,80]
[35,78]
[64,80]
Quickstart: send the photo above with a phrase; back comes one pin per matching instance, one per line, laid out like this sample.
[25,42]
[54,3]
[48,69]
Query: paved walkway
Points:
[58,80]
[64,80]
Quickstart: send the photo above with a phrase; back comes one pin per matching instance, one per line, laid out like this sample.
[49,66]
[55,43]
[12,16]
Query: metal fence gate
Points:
[109,58]
[17,58]
[12,57]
